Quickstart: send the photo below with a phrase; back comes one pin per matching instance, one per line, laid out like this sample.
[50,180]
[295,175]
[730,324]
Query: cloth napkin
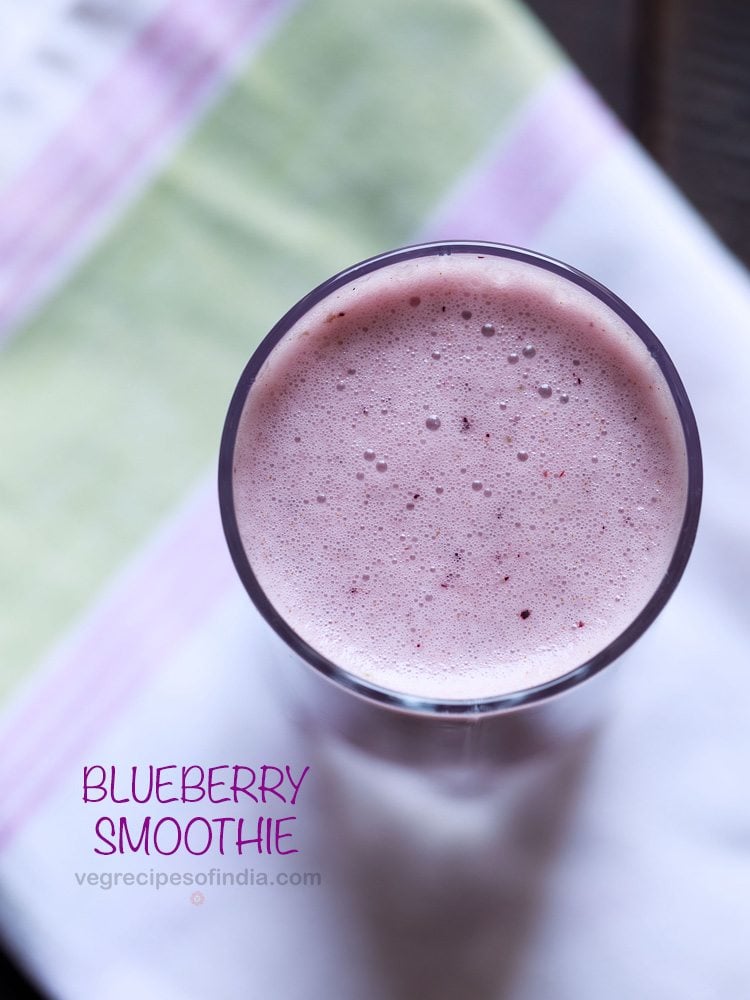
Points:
[174,175]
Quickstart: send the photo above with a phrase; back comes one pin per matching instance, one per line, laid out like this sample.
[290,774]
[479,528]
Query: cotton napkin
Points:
[175,174]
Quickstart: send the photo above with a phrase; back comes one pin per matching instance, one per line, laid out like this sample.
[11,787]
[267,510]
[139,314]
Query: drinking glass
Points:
[478,731]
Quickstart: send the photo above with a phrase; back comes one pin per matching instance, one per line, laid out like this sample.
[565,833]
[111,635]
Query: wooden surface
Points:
[678,73]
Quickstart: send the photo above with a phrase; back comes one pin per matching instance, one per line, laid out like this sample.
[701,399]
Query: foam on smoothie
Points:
[460,476]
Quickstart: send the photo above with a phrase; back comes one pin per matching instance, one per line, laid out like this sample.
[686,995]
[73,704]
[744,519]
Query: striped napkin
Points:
[174,174]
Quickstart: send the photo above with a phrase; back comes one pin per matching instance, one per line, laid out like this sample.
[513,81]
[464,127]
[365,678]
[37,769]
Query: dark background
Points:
[677,72]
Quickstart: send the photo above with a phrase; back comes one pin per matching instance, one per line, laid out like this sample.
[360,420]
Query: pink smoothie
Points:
[460,476]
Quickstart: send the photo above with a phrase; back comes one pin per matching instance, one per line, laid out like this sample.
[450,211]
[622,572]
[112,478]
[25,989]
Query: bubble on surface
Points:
[529,351]
[477,485]
[513,357]
[488,330]
[484,561]
[321,498]
[545,390]
[381,466]
[432,422]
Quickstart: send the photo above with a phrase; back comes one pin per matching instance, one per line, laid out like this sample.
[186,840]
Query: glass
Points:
[396,715]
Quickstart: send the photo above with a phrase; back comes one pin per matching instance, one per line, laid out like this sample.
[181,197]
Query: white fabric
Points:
[647,894]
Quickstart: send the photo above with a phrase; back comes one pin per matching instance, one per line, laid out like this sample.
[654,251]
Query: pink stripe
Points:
[131,603]
[70,743]
[167,46]
[154,90]
[510,197]
[153,611]
[46,180]
[146,619]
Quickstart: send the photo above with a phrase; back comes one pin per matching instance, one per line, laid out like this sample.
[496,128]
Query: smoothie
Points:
[459,476]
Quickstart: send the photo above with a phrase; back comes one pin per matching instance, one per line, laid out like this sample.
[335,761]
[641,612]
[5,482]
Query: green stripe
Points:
[336,143]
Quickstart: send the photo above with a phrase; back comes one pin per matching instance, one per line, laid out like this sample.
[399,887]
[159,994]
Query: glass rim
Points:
[494,703]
